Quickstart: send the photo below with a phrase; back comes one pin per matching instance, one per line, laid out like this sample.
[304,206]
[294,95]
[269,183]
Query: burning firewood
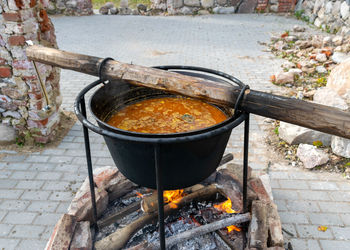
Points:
[237,219]
[118,239]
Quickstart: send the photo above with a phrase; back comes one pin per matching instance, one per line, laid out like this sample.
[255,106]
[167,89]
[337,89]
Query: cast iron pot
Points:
[185,158]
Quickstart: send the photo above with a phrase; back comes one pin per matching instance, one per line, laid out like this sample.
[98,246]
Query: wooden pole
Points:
[318,117]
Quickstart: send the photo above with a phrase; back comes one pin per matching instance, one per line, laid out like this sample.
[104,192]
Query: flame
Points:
[139,195]
[233,228]
[226,207]
[173,197]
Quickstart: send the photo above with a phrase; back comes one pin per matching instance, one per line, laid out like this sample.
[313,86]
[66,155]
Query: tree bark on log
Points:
[118,239]
[319,117]
[211,227]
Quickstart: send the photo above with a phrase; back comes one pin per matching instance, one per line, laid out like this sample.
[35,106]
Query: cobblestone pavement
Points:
[36,189]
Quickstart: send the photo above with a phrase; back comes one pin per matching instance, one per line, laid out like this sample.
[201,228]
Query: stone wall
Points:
[332,16]
[21,97]
[190,7]
[70,7]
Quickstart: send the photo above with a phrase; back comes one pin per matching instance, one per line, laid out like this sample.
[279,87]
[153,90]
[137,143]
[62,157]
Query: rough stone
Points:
[109,5]
[224,10]
[7,134]
[207,3]
[321,57]
[339,57]
[288,65]
[318,22]
[62,233]
[295,71]
[274,8]
[125,11]
[298,28]
[329,97]
[81,204]
[284,77]
[328,7]
[203,12]
[327,40]
[294,134]
[124,4]
[339,79]
[344,10]
[192,3]
[103,175]
[119,186]
[103,10]
[248,6]
[337,40]
[341,146]
[221,2]
[82,239]
[141,7]
[114,11]
[311,156]
[321,69]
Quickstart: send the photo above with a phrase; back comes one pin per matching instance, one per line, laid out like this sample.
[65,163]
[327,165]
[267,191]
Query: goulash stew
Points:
[167,115]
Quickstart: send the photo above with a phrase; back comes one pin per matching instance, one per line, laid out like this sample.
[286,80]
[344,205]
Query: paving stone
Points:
[279,175]
[311,231]
[61,159]
[56,185]
[63,207]
[35,195]
[299,244]
[40,167]
[49,176]
[313,245]
[11,244]
[69,145]
[8,183]
[23,175]
[2,214]
[5,229]
[281,205]
[290,228]
[37,158]
[10,194]
[43,206]
[344,186]
[282,194]
[293,217]
[19,217]
[323,185]
[325,219]
[334,207]
[61,196]
[67,168]
[302,176]
[31,245]
[29,185]
[293,184]
[14,205]
[47,219]
[341,233]
[5,174]
[17,166]
[303,206]
[314,195]
[335,244]
[27,231]
[55,151]
[345,218]
[14,158]
[341,196]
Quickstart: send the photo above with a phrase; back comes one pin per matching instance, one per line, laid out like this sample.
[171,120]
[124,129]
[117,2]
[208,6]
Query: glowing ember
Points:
[139,194]
[233,228]
[226,207]
[173,197]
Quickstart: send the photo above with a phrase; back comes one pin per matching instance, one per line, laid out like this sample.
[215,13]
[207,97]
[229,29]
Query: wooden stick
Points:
[118,239]
[319,117]
[119,215]
[195,232]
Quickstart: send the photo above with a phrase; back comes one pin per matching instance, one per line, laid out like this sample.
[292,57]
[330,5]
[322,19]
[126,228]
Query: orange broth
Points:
[167,115]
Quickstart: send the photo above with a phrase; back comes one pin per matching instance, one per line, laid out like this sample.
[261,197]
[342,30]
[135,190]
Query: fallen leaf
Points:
[317,143]
[322,228]
[273,78]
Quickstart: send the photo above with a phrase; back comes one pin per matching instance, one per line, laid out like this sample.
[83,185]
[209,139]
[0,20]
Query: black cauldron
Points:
[184,158]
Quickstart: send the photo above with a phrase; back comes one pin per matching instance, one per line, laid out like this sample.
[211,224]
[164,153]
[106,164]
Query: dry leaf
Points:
[322,228]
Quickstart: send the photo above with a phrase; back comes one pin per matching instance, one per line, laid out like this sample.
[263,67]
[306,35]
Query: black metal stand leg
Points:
[160,198]
[89,164]
[245,163]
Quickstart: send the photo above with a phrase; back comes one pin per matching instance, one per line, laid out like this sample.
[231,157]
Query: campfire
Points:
[208,215]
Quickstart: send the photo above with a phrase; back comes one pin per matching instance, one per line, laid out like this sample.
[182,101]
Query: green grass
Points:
[132,3]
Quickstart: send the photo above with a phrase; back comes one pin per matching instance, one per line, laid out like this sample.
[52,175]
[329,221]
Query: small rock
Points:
[341,146]
[288,65]
[207,3]
[103,10]
[291,38]
[296,71]
[321,69]
[203,12]
[298,28]
[311,156]
[224,10]
[280,45]
[82,239]
[135,12]
[338,49]
[284,77]
[300,95]
[339,57]
[344,10]
[125,11]
[221,2]
[124,4]
[109,5]
[321,57]
[141,7]
[303,44]
[274,8]
[318,22]
[339,79]
[186,11]
[337,40]
[329,97]
[192,3]
[114,11]
[7,134]
[294,134]
[327,40]
[274,38]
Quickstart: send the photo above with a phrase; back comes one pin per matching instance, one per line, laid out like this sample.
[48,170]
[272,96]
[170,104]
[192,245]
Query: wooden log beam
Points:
[319,117]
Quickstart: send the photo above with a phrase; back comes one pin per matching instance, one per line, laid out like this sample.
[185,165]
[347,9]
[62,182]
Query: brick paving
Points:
[36,189]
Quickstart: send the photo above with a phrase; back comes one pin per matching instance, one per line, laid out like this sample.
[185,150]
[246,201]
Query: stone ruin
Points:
[21,96]
[70,7]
